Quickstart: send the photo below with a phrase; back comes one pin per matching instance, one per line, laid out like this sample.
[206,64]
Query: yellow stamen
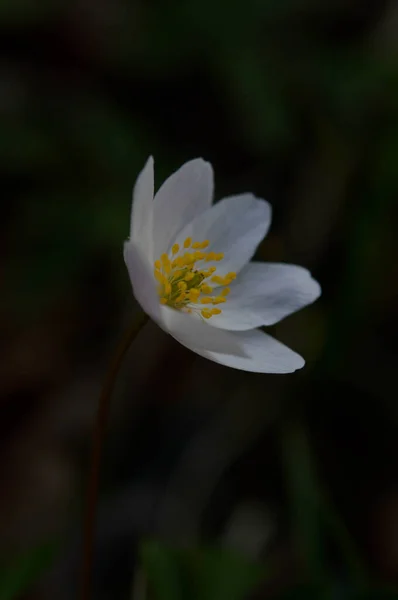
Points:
[217,279]
[206,289]
[194,294]
[160,277]
[184,285]
[188,258]
[166,263]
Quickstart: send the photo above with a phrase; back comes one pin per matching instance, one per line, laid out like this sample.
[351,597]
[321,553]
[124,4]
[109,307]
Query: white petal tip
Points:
[316,289]
[294,363]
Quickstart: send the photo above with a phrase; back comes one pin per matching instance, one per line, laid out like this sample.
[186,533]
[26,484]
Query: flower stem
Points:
[96,451]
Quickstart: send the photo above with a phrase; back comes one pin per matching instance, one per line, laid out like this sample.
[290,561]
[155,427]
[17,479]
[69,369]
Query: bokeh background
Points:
[215,483]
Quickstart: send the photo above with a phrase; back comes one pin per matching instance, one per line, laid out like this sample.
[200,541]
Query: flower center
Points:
[184,280]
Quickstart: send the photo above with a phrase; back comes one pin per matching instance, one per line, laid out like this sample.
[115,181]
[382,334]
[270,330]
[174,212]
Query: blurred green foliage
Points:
[202,573]
[23,571]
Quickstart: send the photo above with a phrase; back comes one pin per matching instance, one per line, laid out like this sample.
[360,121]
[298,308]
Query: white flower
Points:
[188,262]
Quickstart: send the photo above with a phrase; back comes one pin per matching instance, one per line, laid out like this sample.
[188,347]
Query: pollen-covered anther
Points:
[160,277]
[194,294]
[183,283]
[226,280]
[206,289]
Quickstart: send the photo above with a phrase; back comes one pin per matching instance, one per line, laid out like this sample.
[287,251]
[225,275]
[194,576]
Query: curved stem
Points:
[96,451]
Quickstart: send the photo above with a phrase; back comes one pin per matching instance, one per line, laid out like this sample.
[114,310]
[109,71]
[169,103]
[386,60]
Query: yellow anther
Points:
[159,277]
[206,289]
[166,263]
[188,258]
[180,261]
[217,279]
[194,294]
[183,285]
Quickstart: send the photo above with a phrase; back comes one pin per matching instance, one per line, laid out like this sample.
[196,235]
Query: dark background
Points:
[294,100]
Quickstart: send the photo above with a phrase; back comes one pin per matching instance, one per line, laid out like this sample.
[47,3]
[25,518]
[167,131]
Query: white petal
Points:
[141,210]
[264,354]
[142,280]
[265,293]
[234,226]
[195,333]
[183,196]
